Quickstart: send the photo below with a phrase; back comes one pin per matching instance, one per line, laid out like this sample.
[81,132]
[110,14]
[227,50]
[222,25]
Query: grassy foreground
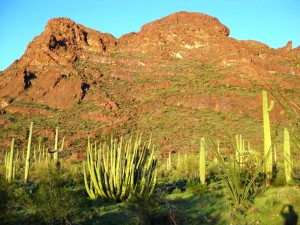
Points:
[60,198]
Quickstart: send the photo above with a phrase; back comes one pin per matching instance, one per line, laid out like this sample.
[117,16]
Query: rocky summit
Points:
[180,77]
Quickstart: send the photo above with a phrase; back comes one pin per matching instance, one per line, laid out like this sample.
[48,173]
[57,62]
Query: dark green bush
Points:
[146,208]
[3,200]
[194,186]
[53,200]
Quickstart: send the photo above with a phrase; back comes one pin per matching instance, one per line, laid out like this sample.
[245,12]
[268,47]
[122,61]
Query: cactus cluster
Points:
[240,149]
[9,162]
[14,161]
[118,170]
[244,153]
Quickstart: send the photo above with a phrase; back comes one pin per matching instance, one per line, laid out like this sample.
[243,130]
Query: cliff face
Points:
[40,74]
[63,41]
[184,60]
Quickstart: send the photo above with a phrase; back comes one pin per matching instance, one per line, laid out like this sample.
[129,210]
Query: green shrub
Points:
[195,187]
[145,208]
[52,200]
[243,181]
[3,200]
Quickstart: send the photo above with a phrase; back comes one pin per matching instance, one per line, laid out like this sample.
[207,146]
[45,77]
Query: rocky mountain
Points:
[180,77]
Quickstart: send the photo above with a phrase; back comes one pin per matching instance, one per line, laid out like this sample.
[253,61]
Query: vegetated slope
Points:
[180,78]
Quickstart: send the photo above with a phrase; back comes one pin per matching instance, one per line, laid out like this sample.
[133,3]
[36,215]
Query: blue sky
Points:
[273,22]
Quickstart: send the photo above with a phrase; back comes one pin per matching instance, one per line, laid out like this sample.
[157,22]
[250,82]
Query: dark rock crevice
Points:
[28,77]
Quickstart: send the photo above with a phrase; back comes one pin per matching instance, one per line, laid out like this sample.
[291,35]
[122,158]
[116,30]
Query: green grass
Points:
[267,208]
[180,199]
[205,208]
[32,105]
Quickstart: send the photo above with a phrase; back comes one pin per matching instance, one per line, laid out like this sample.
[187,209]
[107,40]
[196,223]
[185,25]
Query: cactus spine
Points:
[287,156]
[120,169]
[27,161]
[267,136]
[202,161]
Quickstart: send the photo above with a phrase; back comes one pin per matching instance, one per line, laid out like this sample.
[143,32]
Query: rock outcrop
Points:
[63,41]
[46,72]
[182,28]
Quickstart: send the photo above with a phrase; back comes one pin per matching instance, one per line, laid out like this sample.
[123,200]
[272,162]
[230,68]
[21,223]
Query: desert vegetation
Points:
[125,181]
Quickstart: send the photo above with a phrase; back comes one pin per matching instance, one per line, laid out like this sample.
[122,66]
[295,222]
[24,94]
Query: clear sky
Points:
[273,22]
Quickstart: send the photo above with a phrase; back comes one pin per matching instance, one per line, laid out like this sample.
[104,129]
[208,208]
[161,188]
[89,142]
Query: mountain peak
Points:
[62,42]
[59,22]
[178,29]
[191,21]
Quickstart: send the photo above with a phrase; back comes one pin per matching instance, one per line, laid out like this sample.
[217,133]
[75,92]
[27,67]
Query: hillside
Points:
[180,77]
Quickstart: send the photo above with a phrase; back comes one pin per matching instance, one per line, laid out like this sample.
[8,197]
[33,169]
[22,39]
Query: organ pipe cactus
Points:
[267,136]
[27,160]
[218,150]
[9,162]
[6,160]
[287,156]
[240,149]
[202,161]
[118,170]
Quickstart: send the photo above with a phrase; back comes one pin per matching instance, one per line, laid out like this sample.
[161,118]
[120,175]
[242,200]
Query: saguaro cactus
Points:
[202,161]
[287,156]
[120,169]
[267,136]
[178,160]
[56,151]
[27,161]
[169,162]
[275,154]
